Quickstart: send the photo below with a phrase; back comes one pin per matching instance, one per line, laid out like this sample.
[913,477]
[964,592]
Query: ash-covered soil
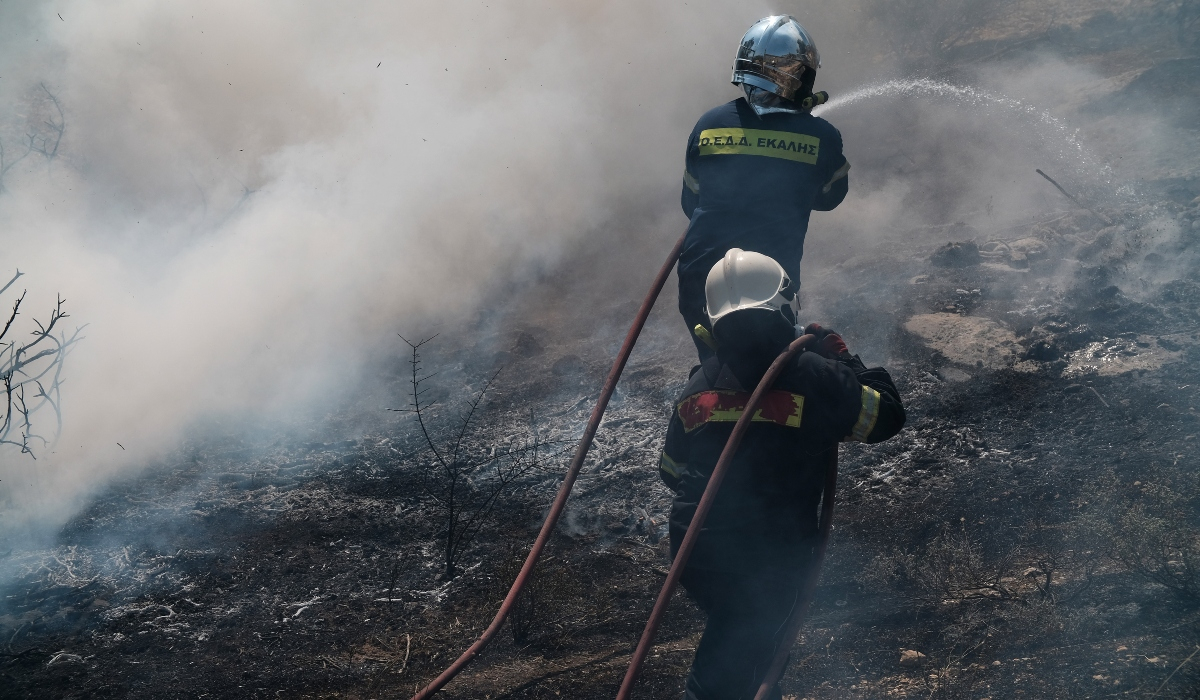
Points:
[1034,532]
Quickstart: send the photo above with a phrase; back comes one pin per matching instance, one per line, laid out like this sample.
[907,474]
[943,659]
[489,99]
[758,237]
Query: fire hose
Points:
[564,490]
[792,629]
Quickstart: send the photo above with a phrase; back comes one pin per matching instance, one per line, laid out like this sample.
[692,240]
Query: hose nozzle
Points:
[817,98]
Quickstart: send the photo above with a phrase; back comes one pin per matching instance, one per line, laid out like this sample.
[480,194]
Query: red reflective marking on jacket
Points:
[779,407]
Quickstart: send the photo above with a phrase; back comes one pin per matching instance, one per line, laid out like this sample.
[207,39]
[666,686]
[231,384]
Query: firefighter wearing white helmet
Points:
[746,280]
[757,543]
[757,166]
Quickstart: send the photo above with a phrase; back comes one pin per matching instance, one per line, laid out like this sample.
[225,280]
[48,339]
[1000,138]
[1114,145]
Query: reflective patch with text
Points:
[756,142]
[779,407]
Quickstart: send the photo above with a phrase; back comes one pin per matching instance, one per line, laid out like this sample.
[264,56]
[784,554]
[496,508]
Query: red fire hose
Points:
[560,501]
[706,502]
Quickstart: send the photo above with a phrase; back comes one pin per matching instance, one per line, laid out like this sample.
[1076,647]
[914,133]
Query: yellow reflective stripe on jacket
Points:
[690,182]
[758,142]
[867,416]
[779,407]
[670,466]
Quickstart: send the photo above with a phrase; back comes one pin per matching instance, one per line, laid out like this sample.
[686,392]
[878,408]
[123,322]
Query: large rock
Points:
[1024,250]
[911,657]
[966,340]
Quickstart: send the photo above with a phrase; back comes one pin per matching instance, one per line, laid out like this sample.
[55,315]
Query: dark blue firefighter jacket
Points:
[765,513]
[751,182]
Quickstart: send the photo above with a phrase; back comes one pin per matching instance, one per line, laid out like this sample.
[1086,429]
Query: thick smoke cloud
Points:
[250,199]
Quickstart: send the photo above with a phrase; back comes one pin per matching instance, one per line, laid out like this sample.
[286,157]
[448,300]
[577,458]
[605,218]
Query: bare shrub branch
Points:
[45,137]
[48,145]
[468,476]
[953,566]
[31,376]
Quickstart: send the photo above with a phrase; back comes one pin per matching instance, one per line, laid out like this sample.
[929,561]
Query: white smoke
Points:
[250,198]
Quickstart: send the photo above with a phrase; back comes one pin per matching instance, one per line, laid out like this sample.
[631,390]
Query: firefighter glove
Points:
[829,344]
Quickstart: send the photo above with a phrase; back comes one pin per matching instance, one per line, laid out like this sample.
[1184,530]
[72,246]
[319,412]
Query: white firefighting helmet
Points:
[774,55]
[745,280]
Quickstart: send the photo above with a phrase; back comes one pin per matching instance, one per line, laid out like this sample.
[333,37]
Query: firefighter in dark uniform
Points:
[756,167]
[752,554]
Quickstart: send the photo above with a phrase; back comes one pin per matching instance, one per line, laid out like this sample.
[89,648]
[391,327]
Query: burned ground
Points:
[1032,532]
[309,567]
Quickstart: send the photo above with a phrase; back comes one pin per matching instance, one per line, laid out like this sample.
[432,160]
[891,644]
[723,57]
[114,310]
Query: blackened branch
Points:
[49,144]
[471,476]
[31,374]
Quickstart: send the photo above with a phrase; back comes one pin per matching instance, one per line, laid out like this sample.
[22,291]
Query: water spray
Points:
[925,88]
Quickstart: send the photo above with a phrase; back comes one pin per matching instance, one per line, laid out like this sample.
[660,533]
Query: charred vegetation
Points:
[468,478]
[31,372]
[1032,533]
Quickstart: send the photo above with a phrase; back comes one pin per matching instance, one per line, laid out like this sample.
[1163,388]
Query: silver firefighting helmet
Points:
[771,64]
[746,280]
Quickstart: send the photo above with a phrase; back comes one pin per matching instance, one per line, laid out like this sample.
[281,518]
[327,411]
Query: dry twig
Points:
[31,375]
[467,479]
[1168,680]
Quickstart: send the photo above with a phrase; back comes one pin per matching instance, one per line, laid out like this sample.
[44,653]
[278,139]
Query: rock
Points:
[1023,250]
[64,657]
[966,340]
[911,657]
[956,254]
[951,374]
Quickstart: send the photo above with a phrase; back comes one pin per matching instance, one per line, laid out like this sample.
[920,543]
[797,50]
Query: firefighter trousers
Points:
[747,616]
